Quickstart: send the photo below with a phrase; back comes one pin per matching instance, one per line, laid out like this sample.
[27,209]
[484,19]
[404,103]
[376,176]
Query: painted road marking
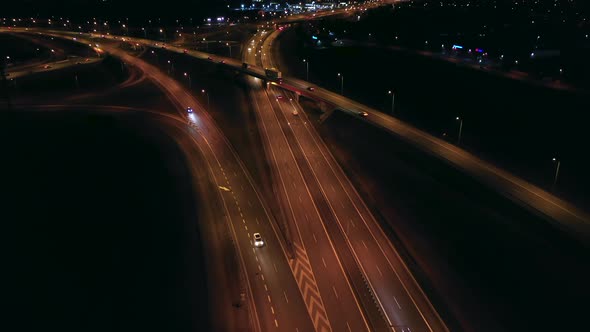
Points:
[378,269]
[399,306]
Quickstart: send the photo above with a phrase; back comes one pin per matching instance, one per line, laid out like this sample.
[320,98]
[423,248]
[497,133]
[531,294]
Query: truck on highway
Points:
[272,73]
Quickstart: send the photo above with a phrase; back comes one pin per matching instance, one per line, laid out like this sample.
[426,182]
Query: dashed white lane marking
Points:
[262,276]
[294,185]
[276,323]
[323,261]
[256,257]
[272,309]
[348,326]
[335,293]
[300,201]
[286,299]
[352,223]
[246,227]
[250,203]
[275,265]
[268,297]
[265,288]
[259,268]
[378,269]
[257,222]
[399,306]
[316,240]
[364,244]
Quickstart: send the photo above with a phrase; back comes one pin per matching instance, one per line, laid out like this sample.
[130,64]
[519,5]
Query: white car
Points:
[258,242]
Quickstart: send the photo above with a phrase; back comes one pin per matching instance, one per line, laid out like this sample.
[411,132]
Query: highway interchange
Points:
[332,268]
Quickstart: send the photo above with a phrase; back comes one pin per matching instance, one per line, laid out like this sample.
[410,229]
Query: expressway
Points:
[274,300]
[330,298]
[398,295]
[49,66]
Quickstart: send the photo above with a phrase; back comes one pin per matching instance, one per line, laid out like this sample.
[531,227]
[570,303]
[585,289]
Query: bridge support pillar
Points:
[327,111]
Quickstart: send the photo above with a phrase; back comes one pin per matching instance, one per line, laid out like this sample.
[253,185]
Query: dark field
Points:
[100,226]
[498,267]
[20,50]
[512,124]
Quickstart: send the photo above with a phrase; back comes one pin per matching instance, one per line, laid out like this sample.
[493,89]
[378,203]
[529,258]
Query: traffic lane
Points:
[297,202]
[50,66]
[396,295]
[350,217]
[313,228]
[222,156]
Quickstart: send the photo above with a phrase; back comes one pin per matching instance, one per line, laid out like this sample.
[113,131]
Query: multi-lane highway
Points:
[398,295]
[318,208]
[275,301]
[330,297]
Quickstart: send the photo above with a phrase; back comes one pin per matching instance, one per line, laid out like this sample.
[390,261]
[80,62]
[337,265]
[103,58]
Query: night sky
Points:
[114,8]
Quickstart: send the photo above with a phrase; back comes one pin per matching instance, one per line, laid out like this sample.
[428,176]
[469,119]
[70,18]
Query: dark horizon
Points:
[114,9]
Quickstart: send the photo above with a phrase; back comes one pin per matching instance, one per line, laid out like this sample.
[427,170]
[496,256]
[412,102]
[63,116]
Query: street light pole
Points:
[460,130]
[206,93]
[341,83]
[307,69]
[556,172]
[392,100]
[189,80]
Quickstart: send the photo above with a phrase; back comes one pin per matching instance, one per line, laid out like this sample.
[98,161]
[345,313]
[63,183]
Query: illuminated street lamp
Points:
[307,69]
[556,172]
[341,83]
[392,99]
[460,129]
[206,93]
